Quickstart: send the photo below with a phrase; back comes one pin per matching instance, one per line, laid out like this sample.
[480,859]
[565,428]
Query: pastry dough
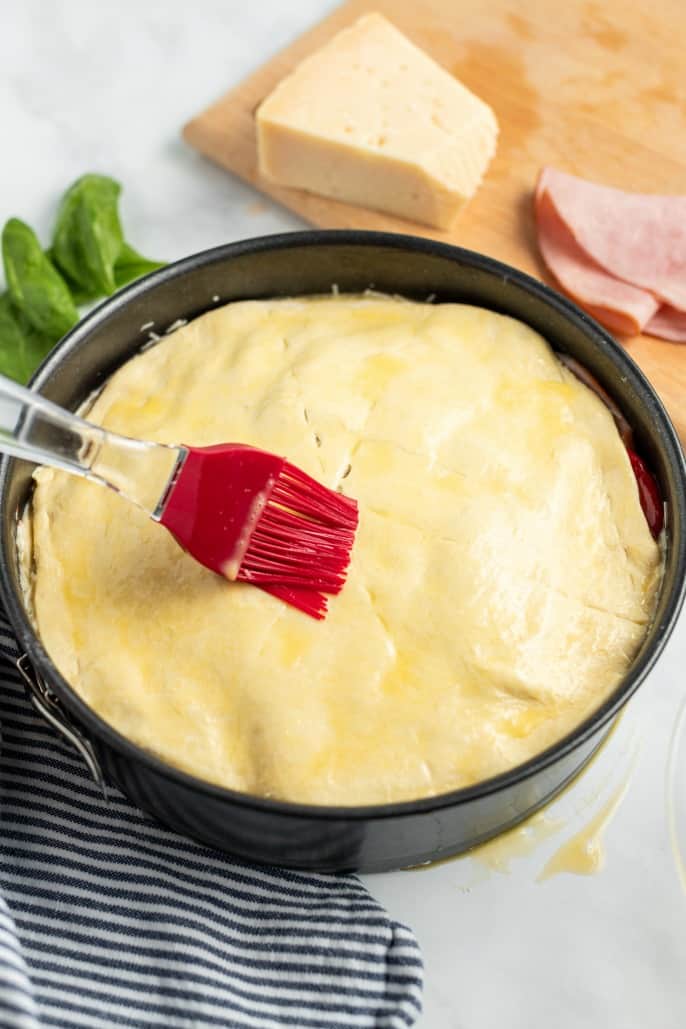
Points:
[501,581]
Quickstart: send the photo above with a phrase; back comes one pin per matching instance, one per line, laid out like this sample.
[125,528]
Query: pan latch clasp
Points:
[49,708]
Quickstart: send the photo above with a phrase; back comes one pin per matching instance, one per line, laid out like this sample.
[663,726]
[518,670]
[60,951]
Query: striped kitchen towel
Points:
[107,919]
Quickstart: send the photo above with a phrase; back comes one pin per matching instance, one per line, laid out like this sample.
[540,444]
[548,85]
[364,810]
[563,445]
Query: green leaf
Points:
[11,342]
[131,265]
[34,285]
[88,236]
[22,347]
[79,294]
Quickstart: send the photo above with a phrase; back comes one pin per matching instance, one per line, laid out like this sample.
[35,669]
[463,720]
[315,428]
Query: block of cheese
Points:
[372,120]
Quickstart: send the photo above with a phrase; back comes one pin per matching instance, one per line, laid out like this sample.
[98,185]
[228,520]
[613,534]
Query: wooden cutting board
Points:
[594,88]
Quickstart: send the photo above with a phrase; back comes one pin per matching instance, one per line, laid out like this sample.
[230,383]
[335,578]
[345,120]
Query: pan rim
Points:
[588,728]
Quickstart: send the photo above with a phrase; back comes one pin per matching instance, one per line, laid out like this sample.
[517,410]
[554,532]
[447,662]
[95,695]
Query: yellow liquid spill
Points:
[520,841]
[497,853]
[523,839]
[671,784]
[583,854]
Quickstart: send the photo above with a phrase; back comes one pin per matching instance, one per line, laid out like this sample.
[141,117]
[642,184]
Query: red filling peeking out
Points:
[648,489]
[649,494]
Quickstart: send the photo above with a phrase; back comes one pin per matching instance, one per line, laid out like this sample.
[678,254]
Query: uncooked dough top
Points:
[501,580]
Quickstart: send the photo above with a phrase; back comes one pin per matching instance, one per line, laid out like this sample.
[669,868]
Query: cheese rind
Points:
[372,120]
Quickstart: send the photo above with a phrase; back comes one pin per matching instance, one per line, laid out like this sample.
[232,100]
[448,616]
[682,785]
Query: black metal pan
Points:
[377,837]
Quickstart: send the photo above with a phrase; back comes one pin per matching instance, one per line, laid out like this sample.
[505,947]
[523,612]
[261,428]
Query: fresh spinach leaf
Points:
[79,294]
[88,236]
[22,347]
[11,342]
[131,265]
[88,259]
[34,284]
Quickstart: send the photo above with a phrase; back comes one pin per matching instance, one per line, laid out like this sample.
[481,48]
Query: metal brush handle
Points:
[35,429]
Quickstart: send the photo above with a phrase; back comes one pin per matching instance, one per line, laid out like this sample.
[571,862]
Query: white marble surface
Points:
[105,86]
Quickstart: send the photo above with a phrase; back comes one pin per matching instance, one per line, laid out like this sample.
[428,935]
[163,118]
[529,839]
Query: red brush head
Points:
[253,517]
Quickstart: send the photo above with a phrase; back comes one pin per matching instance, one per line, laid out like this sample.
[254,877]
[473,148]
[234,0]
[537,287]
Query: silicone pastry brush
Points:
[243,513]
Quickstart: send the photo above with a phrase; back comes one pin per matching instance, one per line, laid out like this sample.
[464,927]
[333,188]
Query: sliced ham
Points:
[668,323]
[616,304]
[637,237]
[622,256]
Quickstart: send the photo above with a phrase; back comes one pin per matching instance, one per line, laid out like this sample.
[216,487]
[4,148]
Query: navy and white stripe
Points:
[107,919]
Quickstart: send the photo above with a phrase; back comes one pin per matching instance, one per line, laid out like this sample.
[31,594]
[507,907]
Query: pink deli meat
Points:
[668,323]
[622,256]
